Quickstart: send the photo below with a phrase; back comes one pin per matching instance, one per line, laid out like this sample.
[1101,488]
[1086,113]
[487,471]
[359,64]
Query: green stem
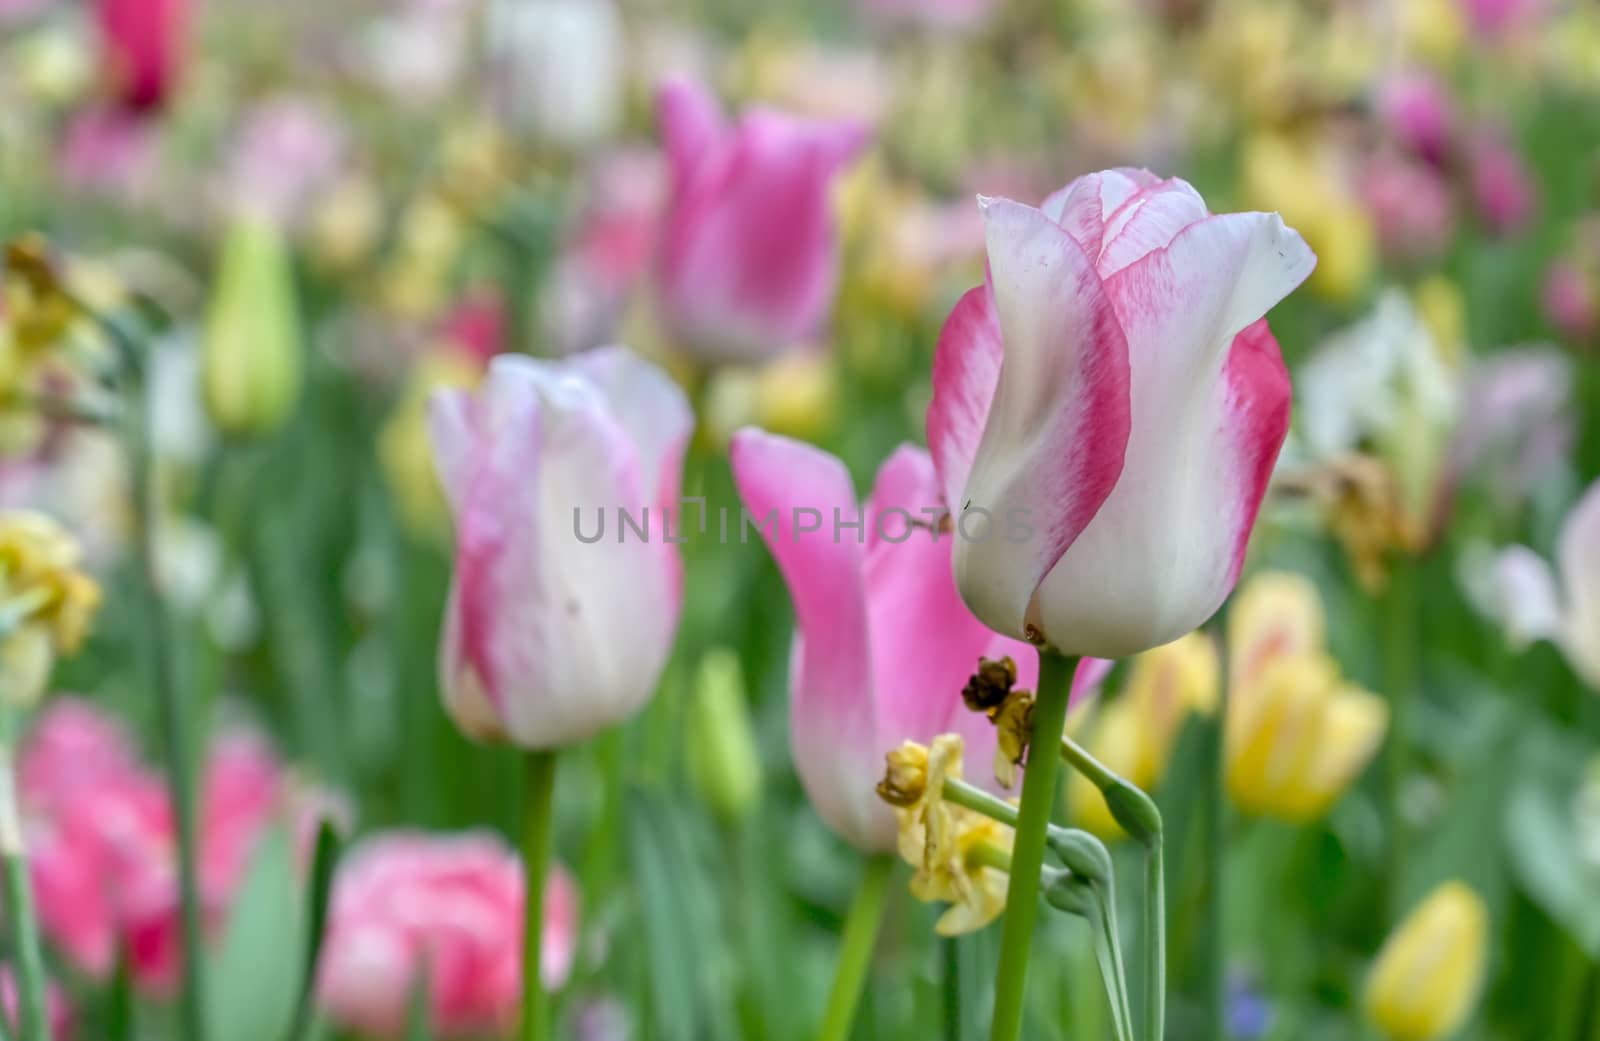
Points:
[175,713]
[1155,941]
[855,953]
[1137,813]
[1027,855]
[33,1021]
[970,796]
[950,983]
[1213,949]
[1400,660]
[1103,933]
[538,800]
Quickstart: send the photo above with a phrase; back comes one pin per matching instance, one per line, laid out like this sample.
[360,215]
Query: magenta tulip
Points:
[144,41]
[554,632]
[1108,408]
[749,252]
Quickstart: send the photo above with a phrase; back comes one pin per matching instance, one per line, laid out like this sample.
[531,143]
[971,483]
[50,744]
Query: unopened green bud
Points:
[723,761]
[1067,892]
[1083,854]
[1134,811]
[250,363]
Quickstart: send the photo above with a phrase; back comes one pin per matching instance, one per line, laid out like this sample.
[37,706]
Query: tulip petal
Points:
[1148,221]
[1210,404]
[691,122]
[833,723]
[1521,593]
[651,408]
[1578,558]
[1053,446]
[966,370]
[1084,206]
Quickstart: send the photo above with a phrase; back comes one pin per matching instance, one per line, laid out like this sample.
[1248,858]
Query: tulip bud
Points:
[1428,975]
[250,363]
[144,41]
[723,759]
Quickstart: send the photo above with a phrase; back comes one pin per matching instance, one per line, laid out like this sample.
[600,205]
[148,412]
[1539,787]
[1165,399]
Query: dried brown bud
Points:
[1013,723]
[987,689]
[905,780]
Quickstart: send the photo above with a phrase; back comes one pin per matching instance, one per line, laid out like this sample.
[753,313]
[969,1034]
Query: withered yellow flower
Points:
[958,855]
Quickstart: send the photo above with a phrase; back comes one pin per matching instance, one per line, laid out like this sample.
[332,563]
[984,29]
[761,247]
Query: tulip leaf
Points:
[254,976]
[1542,841]
[323,862]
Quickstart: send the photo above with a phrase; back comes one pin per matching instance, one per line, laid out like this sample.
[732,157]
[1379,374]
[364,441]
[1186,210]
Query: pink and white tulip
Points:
[1108,407]
[1534,602]
[549,637]
[449,906]
[883,644]
[736,282]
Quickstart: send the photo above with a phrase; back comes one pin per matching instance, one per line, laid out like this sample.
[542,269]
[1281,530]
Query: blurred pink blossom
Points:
[286,151]
[1516,421]
[1503,188]
[1419,113]
[103,841]
[108,151]
[1411,206]
[1496,18]
[749,258]
[1569,300]
[144,42]
[451,906]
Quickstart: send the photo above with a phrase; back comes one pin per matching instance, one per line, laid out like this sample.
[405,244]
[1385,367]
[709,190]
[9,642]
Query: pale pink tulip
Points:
[447,909]
[1569,299]
[1411,206]
[1534,602]
[144,42]
[552,634]
[749,251]
[883,644]
[1107,410]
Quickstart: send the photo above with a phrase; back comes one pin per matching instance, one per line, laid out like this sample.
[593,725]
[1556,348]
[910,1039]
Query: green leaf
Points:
[323,863]
[254,978]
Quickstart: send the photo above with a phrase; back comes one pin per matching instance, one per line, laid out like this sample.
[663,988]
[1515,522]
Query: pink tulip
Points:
[552,633]
[448,908]
[1569,300]
[1108,474]
[1418,112]
[102,839]
[884,644]
[1503,188]
[749,252]
[1493,19]
[144,41]
[1411,207]
[1516,422]
[58,1013]
[1534,602]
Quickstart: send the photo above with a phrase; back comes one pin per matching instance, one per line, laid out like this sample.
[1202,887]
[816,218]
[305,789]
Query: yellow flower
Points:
[1444,311]
[1298,736]
[403,446]
[46,600]
[1428,975]
[1434,29]
[1301,180]
[1134,735]
[955,851]
[795,395]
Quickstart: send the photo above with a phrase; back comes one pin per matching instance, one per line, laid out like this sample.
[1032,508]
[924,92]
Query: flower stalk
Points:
[855,954]
[32,1019]
[538,795]
[1039,786]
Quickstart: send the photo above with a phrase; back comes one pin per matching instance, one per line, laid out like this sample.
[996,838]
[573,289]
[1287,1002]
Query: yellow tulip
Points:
[1428,975]
[403,442]
[1135,734]
[1276,613]
[1299,737]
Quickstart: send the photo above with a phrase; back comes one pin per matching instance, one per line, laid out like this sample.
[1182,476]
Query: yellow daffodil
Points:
[1428,975]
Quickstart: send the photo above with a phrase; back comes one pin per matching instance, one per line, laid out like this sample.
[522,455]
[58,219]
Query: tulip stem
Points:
[538,800]
[971,797]
[1136,812]
[855,952]
[1027,855]
[175,712]
[32,1019]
